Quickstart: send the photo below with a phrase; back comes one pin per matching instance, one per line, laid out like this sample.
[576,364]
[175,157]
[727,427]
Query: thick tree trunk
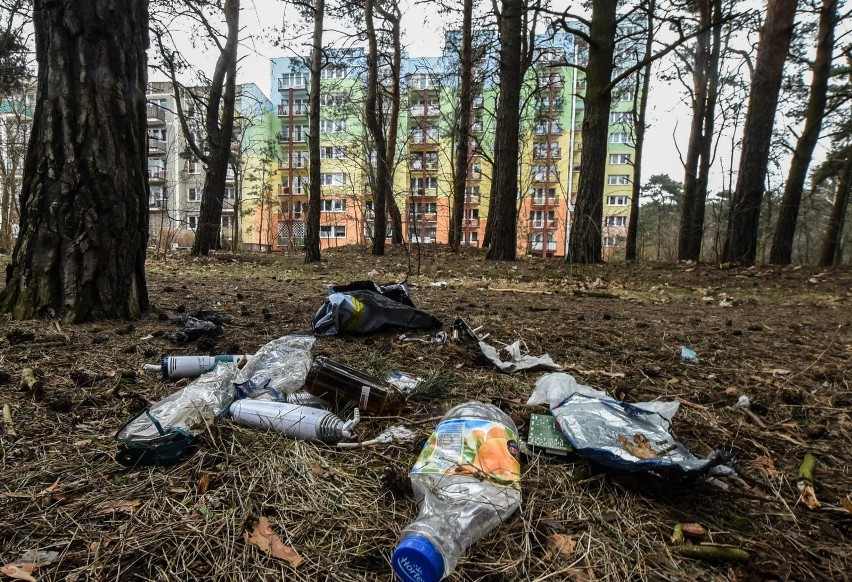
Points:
[463,127]
[219,125]
[782,245]
[504,222]
[80,254]
[585,242]
[312,238]
[631,251]
[743,222]
[377,133]
[693,150]
[696,230]
[831,246]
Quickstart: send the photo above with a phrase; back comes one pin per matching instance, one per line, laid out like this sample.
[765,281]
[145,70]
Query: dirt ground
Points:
[783,337]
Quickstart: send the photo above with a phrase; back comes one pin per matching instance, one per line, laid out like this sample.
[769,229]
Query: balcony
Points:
[229,176]
[542,223]
[298,190]
[155,113]
[555,154]
[470,223]
[156,204]
[423,111]
[542,201]
[298,110]
[424,192]
[553,178]
[472,199]
[299,85]
[156,146]
[539,246]
[301,138]
[156,174]
[297,164]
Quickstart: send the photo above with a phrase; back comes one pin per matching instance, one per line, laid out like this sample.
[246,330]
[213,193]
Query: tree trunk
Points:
[374,126]
[393,16]
[693,150]
[505,191]
[460,174]
[743,222]
[80,254]
[219,125]
[696,230]
[832,246]
[641,94]
[585,242]
[312,239]
[782,245]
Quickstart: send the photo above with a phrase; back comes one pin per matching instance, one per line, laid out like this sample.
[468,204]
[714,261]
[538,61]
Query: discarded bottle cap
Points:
[417,560]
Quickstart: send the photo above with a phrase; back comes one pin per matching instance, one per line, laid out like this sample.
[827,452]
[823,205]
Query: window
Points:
[616,200]
[424,81]
[333,153]
[418,208]
[333,72]
[417,185]
[540,150]
[619,138]
[538,194]
[332,99]
[617,180]
[193,166]
[332,231]
[610,241]
[192,221]
[226,222]
[333,205]
[193,195]
[333,179]
[537,218]
[472,237]
[471,214]
[332,125]
[620,117]
[616,221]
[626,96]
[619,158]
[540,173]
[230,194]
[300,133]
[292,79]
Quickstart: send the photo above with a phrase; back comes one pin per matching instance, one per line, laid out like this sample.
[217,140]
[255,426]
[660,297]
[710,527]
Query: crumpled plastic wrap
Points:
[615,434]
[184,411]
[277,368]
[515,360]
[365,311]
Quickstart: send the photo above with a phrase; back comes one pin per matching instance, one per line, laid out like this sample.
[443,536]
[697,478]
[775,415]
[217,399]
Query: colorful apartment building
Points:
[423,159]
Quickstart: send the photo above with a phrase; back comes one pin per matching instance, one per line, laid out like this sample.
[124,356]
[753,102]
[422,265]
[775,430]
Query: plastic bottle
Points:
[466,481]
[334,381]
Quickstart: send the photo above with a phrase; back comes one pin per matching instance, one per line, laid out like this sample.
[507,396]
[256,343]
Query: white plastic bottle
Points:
[467,482]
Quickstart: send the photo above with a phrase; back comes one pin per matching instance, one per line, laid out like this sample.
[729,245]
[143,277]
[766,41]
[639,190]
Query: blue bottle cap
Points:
[417,560]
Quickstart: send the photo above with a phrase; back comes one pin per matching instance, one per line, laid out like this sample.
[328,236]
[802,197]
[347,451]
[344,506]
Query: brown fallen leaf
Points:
[126,505]
[640,447]
[203,484]
[19,571]
[847,504]
[807,495]
[267,540]
[49,489]
[560,544]
[766,466]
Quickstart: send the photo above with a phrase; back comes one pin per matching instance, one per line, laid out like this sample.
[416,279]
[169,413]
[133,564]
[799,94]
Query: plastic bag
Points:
[618,435]
[159,434]
[364,311]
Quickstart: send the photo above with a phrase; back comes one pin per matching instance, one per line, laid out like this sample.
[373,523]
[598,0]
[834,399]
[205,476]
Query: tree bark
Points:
[585,241]
[503,218]
[631,251]
[785,230]
[312,239]
[220,106]
[693,150]
[80,254]
[743,221]
[460,173]
[696,231]
[374,126]
[832,245]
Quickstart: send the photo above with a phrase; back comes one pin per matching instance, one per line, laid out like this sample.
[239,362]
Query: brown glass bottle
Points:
[336,382]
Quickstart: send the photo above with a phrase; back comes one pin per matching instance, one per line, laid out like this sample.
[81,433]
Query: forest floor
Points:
[782,337]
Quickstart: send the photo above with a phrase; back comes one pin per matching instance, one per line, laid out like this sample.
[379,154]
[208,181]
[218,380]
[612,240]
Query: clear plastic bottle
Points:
[467,482]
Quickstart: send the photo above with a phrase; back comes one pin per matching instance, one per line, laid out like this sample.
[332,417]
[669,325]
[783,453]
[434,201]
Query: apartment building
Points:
[16,112]
[423,160]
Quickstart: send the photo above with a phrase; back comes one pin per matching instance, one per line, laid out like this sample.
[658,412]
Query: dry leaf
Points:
[847,504]
[19,572]
[127,505]
[267,540]
[777,371]
[561,544]
[178,490]
[49,489]
[640,447]
[766,466]
[203,484]
[317,470]
[807,495]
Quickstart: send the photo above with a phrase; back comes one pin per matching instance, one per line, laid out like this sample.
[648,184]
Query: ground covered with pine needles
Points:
[782,337]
